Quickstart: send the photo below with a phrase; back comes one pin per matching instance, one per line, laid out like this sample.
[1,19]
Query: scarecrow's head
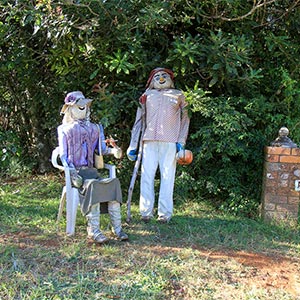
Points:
[76,106]
[160,78]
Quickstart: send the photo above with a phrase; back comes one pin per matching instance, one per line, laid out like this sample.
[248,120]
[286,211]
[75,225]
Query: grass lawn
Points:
[200,254]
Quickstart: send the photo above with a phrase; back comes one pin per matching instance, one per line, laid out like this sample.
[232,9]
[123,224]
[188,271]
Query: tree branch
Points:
[286,11]
[256,6]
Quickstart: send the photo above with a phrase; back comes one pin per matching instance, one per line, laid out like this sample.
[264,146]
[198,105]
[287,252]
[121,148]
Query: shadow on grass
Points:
[218,233]
[214,232]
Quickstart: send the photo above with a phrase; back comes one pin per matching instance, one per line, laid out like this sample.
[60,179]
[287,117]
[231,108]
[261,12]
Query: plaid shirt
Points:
[166,117]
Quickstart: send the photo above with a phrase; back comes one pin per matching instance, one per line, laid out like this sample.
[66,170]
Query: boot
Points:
[93,228]
[114,211]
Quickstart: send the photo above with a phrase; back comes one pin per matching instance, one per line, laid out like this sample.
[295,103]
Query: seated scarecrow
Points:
[78,140]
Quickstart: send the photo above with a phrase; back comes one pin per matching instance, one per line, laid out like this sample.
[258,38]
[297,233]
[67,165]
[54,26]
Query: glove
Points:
[179,147]
[131,154]
[77,180]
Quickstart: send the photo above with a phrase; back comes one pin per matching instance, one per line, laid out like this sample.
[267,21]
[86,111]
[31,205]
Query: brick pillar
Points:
[280,194]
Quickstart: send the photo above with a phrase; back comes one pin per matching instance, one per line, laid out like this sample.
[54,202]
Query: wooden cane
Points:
[135,172]
[132,182]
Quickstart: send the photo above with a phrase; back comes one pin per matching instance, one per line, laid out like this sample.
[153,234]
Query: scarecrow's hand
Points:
[77,180]
[131,154]
[179,147]
[117,152]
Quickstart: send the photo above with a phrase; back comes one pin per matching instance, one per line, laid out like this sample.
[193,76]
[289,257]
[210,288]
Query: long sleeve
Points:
[101,145]
[185,123]
[136,129]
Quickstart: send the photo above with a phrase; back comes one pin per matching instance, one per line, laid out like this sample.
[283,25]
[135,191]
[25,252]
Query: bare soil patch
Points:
[262,271]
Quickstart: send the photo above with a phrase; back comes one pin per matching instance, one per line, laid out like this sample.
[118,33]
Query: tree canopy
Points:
[237,62]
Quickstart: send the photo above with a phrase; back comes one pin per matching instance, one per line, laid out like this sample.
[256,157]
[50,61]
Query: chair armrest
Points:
[54,158]
[65,167]
[112,170]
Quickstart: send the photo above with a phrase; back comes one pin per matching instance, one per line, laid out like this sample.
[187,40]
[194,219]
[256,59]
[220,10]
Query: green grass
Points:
[198,255]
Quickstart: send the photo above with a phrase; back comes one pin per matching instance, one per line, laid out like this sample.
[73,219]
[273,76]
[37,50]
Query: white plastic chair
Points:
[69,193]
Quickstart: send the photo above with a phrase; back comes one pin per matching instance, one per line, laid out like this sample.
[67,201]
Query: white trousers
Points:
[162,155]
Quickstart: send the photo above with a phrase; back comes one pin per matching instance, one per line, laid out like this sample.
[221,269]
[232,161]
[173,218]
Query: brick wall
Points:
[280,200]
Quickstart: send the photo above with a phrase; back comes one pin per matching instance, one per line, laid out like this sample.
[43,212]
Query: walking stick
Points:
[134,174]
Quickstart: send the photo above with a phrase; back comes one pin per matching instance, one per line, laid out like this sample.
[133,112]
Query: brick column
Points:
[280,198]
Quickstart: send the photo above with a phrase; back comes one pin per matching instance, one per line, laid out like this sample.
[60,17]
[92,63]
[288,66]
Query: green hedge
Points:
[237,63]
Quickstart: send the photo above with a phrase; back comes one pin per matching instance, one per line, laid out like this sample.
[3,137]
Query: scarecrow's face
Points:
[78,112]
[162,80]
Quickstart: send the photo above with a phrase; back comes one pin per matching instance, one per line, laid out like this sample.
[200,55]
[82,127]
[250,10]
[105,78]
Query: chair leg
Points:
[61,204]
[72,205]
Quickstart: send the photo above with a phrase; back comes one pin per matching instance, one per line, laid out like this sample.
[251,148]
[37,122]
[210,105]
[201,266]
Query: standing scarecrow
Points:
[78,140]
[161,125]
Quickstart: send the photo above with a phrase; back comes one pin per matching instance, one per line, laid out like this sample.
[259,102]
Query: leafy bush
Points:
[229,159]
[236,61]
[11,161]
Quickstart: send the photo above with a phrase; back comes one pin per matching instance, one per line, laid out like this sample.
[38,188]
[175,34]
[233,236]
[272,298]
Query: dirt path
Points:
[265,271]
